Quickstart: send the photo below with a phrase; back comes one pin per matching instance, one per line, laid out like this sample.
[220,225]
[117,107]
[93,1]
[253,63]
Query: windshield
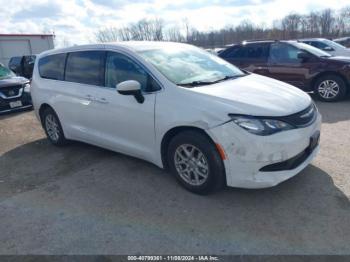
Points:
[333,44]
[5,73]
[185,65]
[313,50]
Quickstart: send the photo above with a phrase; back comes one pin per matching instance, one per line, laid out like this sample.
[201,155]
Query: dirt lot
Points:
[85,200]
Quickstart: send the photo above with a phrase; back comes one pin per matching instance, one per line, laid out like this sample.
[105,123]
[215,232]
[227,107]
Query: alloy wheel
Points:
[191,164]
[52,128]
[328,89]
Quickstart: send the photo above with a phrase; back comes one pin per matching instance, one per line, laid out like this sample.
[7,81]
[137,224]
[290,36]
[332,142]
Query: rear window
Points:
[52,66]
[86,67]
[15,60]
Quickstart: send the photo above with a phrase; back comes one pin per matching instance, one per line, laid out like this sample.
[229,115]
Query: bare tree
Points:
[151,30]
[326,23]
[290,25]
[173,34]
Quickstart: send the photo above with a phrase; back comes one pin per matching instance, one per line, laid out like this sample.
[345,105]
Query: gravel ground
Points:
[82,199]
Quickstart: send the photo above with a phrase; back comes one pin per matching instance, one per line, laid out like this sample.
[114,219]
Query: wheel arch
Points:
[42,108]
[172,133]
[317,77]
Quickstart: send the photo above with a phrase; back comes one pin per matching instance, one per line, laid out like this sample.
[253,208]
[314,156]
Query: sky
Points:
[77,21]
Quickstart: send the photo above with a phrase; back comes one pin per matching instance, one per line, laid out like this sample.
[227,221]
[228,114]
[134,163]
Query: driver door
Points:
[122,123]
[284,65]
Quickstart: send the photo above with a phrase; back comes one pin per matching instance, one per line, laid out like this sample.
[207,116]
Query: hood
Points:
[340,58]
[17,80]
[254,95]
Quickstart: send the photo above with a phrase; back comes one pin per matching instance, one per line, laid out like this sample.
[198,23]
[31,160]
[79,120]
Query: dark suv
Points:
[296,63]
[22,65]
[14,92]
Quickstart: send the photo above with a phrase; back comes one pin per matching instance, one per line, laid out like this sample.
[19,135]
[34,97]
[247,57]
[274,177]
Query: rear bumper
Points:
[264,161]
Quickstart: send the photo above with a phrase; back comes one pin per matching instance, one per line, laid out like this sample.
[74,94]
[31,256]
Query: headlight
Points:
[27,88]
[260,126]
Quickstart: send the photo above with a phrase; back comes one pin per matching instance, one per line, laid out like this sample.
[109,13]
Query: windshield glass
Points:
[185,65]
[5,72]
[333,44]
[313,50]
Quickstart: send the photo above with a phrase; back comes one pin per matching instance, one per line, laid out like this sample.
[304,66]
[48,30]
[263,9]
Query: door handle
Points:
[89,97]
[102,100]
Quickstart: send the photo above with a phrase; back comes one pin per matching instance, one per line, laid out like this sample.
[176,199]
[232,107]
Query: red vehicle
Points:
[298,64]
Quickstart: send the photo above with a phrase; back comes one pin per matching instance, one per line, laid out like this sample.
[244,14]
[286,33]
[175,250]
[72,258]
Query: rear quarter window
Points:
[230,52]
[15,60]
[52,66]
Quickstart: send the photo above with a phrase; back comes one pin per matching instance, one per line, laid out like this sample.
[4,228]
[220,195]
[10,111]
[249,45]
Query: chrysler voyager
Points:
[179,107]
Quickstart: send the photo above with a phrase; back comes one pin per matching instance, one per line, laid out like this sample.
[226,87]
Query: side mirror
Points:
[131,87]
[304,56]
[328,48]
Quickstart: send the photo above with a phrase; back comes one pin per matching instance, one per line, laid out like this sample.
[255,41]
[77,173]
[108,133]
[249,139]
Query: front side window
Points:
[86,67]
[283,53]
[185,64]
[120,68]
[52,66]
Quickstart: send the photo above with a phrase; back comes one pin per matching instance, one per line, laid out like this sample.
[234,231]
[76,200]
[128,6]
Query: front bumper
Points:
[25,99]
[248,154]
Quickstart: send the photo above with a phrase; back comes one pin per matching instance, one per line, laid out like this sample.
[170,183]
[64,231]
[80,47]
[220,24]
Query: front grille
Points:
[10,91]
[303,118]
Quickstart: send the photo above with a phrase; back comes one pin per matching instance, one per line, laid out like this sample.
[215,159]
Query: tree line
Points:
[327,23]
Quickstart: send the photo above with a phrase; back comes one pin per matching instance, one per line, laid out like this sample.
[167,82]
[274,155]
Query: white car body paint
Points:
[135,129]
[336,49]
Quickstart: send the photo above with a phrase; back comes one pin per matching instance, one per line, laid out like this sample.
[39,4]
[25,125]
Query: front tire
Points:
[195,162]
[330,88]
[53,128]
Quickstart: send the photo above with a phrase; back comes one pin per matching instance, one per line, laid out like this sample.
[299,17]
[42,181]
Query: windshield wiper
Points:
[202,83]
[228,78]
[197,83]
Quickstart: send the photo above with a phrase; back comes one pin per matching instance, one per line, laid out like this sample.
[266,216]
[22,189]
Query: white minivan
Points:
[179,107]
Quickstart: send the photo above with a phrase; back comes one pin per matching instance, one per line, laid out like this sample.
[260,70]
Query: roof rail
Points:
[259,40]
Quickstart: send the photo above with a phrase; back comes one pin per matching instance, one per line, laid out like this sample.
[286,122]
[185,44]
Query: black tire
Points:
[341,90]
[49,113]
[215,179]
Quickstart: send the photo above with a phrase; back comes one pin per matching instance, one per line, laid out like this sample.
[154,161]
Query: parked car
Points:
[328,46]
[298,64]
[179,107]
[22,65]
[14,91]
[344,41]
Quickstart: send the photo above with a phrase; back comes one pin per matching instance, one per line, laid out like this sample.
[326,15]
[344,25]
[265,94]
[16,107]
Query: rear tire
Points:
[330,88]
[195,162]
[53,128]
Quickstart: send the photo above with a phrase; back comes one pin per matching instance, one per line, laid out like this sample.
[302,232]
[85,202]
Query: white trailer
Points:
[23,44]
